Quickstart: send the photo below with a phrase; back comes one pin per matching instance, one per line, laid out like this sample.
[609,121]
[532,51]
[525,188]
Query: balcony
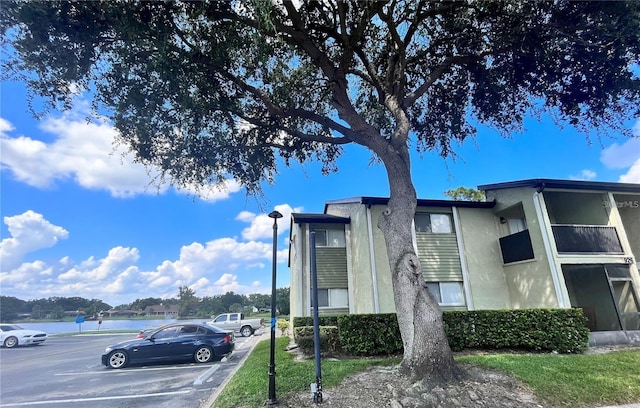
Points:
[516,247]
[586,239]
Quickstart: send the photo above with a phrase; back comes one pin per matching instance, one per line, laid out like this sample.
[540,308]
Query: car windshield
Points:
[9,327]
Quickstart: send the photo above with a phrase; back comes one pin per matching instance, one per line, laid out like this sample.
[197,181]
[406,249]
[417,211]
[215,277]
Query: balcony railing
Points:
[595,239]
[516,247]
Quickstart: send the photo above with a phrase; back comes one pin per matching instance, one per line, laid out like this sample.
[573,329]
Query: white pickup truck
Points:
[237,322]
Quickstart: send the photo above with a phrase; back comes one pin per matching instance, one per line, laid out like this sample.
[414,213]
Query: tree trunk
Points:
[427,355]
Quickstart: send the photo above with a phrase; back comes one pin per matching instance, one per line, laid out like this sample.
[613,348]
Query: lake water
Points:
[91,325]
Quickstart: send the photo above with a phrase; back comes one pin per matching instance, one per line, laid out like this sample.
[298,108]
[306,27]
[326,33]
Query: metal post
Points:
[317,389]
[272,364]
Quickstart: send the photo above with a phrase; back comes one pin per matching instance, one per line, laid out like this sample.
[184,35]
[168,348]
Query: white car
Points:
[12,335]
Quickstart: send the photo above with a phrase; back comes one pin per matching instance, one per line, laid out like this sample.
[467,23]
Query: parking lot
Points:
[66,372]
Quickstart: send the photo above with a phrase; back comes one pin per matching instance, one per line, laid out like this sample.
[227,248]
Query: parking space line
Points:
[118,397]
[124,371]
[203,377]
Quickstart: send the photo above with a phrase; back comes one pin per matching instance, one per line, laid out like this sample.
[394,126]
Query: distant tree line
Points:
[12,308]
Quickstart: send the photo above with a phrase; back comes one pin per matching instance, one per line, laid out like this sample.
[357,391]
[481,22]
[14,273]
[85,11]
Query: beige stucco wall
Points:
[296,270]
[363,268]
[530,283]
[479,233]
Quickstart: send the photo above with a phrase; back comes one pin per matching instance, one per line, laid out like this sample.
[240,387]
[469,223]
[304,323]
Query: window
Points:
[233,317]
[330,238]
[167,333]
[221,319]
[516,225]
[446,293]
[188,330]
[433,223]
[332,298]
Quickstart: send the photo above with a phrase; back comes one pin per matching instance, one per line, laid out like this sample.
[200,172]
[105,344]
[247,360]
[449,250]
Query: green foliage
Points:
[141,304]
[561,330]
[465,194]
[53,307]
[187,301]
[231,298]
[236,308]
[9,308]
[282,300]
[283,326]
[371,334]
[329,339]
[183,79]
[308,321]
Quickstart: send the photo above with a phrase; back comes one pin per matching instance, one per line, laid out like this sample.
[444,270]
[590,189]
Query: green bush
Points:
[308,321]
[370,334]
[329,339]
[560,330]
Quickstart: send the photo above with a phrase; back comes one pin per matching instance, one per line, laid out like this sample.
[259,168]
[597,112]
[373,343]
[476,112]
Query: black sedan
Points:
[180,341]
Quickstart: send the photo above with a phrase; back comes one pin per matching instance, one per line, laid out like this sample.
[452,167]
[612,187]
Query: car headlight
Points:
[108,350]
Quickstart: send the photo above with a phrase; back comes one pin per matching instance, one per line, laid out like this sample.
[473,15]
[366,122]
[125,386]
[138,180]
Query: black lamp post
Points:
[272,364]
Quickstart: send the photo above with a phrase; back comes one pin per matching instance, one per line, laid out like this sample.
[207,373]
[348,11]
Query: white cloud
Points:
[29,232]
[625,156]
[585,174]
[262,226]
[84,152]
[214,267]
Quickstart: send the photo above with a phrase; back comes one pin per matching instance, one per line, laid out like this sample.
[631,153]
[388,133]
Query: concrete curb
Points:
[212,398]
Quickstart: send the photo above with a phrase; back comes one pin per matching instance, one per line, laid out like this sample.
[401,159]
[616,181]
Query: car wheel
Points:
[203,355]
[246,331]
[10,342]
[118,359]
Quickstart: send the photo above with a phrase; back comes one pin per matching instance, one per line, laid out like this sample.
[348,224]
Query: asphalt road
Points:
[67,372]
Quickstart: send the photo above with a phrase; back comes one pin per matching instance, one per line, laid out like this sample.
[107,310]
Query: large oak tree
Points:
[208,91]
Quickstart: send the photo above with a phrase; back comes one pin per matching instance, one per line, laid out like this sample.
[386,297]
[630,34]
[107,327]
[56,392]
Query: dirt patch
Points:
[384,387]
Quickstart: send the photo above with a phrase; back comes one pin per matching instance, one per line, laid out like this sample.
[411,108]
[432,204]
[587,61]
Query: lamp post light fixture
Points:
[272,364]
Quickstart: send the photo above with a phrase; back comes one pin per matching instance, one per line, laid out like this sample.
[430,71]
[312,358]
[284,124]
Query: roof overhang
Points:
[541,184]
[371,201]
[299,218]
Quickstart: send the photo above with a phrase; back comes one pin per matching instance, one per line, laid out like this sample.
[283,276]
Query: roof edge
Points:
[541,184]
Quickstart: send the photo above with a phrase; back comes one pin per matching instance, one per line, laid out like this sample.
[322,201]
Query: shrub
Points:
[329,339]
[560,330]
[371,334]
[283,325]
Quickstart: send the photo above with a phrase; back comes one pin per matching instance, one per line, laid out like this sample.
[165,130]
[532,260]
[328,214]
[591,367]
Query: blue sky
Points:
[80,219]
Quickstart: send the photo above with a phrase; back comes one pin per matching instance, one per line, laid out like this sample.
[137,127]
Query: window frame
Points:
[329,297]
[439,297]
[431,224]
[326,232]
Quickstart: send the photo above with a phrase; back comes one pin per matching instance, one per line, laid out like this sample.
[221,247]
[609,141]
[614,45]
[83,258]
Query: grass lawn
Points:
[249,387]
[572,380]
[559,380]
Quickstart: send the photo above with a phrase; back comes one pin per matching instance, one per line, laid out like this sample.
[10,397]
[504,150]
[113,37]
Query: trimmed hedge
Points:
[370,334]
[560,330]
[322,320]
[329,339]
